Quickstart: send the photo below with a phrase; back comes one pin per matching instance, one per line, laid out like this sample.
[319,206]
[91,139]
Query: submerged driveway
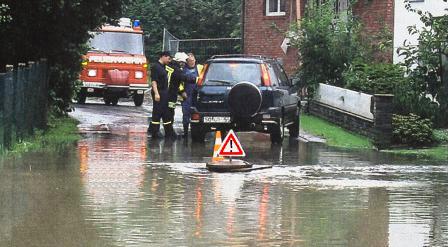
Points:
[116,187]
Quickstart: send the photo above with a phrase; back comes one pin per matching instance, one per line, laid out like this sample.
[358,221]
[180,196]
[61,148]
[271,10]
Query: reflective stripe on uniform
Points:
[167,123]
[181,87]
[172,104]
[170,72]
[200,67]
[155,122]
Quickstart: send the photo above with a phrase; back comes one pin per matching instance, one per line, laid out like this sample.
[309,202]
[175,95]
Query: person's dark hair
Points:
[164,54]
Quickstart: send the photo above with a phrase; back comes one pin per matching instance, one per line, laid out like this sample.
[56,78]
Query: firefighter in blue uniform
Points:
[176,77]
[191,69]
[159,93]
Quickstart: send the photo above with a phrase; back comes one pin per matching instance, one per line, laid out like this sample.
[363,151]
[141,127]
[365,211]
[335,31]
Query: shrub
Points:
[412,130]
[425,62]
[4,16]
[327,43]
[373,78]
[441,136]
[409,95]
[410,98]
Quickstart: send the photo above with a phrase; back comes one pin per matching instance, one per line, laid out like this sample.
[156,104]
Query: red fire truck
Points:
[115,67]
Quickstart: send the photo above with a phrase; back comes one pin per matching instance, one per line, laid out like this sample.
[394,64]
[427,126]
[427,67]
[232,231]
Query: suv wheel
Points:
[107,100]
[197,133]
[294,127]
[277,132]
[114,101]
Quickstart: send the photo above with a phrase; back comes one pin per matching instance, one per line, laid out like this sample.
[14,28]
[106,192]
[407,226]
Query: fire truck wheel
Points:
[82,98]
[138,99]
[114,101]
[107,100]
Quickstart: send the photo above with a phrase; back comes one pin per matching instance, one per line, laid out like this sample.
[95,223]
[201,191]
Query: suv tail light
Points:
[195,117]
[265,75]
[202,74]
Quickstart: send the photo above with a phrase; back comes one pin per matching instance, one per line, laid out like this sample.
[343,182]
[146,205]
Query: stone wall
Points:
[378,128]
[342,118]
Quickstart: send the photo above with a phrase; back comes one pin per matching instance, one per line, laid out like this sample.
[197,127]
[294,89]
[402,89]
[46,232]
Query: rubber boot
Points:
[153,131]
[185,131]
[169,131]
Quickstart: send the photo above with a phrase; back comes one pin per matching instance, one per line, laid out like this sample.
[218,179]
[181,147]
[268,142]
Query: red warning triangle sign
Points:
[231,146]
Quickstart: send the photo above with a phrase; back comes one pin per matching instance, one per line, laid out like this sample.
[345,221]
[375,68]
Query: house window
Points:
[275,7]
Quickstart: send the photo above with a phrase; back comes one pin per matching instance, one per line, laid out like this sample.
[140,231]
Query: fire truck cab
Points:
[115,66]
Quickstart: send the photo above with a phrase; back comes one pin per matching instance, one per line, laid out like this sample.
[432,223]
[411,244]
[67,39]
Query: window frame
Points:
[282,77]
[276,13]
[275,80]
[257,82]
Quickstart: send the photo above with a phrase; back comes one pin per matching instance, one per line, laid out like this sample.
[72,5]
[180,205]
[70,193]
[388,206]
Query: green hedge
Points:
[441,136]
[373,78]
[412,130]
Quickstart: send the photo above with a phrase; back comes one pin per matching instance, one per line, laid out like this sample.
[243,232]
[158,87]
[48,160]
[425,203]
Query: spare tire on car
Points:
[244,100]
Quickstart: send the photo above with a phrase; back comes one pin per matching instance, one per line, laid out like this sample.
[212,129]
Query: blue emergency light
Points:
[136,23]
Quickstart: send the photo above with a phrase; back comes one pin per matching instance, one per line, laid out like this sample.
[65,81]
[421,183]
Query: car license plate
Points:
[90,90]
[139,91]
[216,119]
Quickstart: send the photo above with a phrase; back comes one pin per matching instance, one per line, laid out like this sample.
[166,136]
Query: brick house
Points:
[260,16]
[259,35]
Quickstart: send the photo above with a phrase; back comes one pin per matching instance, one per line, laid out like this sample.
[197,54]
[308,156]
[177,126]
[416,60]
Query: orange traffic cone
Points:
[218,142]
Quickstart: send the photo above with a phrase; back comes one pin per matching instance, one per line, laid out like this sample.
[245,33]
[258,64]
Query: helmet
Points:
[181,57]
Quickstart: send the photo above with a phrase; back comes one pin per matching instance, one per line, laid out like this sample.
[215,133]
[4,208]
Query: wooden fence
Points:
[23,101]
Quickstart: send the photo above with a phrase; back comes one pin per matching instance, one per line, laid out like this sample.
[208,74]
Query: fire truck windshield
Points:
[116,42]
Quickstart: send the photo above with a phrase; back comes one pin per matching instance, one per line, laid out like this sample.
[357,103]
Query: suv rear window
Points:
[232,73]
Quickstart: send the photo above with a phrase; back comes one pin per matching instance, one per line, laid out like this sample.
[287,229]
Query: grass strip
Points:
[62,131]
[335,135]
[434,153]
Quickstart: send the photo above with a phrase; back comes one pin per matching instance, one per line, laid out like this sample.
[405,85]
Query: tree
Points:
[56,30]
[326,44]
[425,66]
[4,14]
[186,19]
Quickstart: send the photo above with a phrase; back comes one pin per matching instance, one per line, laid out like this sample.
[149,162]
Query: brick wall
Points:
[260,38]
[375,15]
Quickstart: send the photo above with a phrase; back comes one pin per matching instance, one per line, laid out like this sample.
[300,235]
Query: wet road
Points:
[117,188]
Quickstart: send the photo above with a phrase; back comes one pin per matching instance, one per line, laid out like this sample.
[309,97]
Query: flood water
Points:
[121,189]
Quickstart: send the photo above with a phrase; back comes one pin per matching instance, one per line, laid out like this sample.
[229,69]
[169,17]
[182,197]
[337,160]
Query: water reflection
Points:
[40,202]
[121,189]
[112,168]
[113,174]
[315,196]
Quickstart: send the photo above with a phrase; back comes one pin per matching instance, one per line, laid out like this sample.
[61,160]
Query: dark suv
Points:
[245,93]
